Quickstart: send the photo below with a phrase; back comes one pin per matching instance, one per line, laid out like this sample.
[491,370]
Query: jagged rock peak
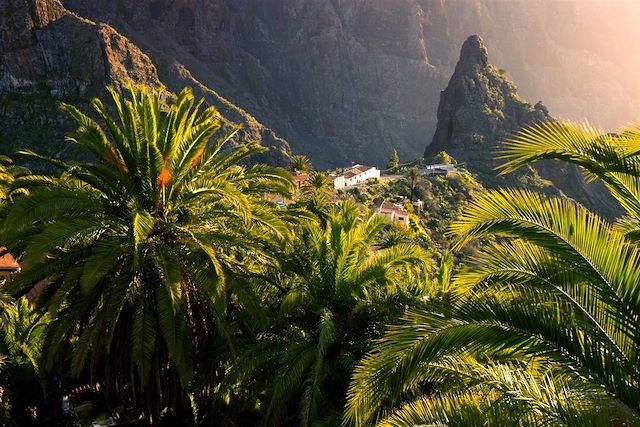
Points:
[479,108]
[38,13]
[473,52]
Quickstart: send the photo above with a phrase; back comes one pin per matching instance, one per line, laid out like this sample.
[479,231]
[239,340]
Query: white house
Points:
[394,212]
[355,175]
[438,169]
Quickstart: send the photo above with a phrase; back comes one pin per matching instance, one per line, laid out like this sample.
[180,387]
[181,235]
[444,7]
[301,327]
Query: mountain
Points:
[348,80]
[50,54]
[339,80]
[479,109]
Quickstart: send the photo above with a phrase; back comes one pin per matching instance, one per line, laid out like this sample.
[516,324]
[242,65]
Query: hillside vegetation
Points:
[167,281]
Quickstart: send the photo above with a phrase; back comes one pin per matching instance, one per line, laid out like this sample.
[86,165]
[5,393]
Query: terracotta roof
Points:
[300,177]
[388,207]
[361,168]
[7,262]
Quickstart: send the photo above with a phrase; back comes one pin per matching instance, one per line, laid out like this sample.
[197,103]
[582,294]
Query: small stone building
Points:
[394,212]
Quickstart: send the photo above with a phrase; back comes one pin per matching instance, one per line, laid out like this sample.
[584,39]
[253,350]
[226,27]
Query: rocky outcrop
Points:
[479,109]
[50,54]
[349,80]
[343,81]
[46,46]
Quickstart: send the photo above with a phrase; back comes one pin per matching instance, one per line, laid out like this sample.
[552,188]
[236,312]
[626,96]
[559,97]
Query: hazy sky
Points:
[582,61]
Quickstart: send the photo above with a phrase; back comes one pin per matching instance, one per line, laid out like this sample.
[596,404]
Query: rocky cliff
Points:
[347,80]
[44,45]
[50,54]
[479,109]
[319,72]
[340,80]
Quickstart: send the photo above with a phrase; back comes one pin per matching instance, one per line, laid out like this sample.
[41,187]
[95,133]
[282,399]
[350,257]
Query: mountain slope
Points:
[479,109]
[51,54]
[348,80]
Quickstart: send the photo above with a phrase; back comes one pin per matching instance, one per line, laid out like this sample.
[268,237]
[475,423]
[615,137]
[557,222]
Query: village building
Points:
[8,265]
[438,169]
[354,175]
[394,212]
[300,179]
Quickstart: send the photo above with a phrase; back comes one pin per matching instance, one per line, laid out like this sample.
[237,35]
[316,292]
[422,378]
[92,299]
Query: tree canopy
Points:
[159,273]
[541,330]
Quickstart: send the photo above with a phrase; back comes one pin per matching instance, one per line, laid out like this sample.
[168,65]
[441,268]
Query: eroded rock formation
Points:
[348,80]
[50,54]
[480,109]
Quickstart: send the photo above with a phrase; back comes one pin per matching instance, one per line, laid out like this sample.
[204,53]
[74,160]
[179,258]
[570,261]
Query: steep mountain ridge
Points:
[479,109]
[307,69]
[348,80]
[51,54]
[45,44]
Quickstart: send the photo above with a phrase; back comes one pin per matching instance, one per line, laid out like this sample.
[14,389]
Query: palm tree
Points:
[316,195]
[22,331]
[412,178]
[134,247]
[318,182]
[300,163]
[339,290]
[545,328]
[8,173]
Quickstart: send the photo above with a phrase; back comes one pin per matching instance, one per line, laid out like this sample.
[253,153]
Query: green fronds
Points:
[587,244]
[522,401]
[610,157]
[300,163]
[543,327]
[333,274]
[131,250]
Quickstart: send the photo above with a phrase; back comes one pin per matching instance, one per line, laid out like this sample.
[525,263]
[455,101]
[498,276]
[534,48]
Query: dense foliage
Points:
[543,328]
[166,280]
[131,251]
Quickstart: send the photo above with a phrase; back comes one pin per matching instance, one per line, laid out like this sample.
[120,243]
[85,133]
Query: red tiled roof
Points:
[388,207]
[300,177]
[355,170]
[7,262]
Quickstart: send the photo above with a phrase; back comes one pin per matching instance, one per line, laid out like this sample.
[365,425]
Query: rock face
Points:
[50,54]
[340,80]
[343,81]
[43,44]
[479,109]
[348,80]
